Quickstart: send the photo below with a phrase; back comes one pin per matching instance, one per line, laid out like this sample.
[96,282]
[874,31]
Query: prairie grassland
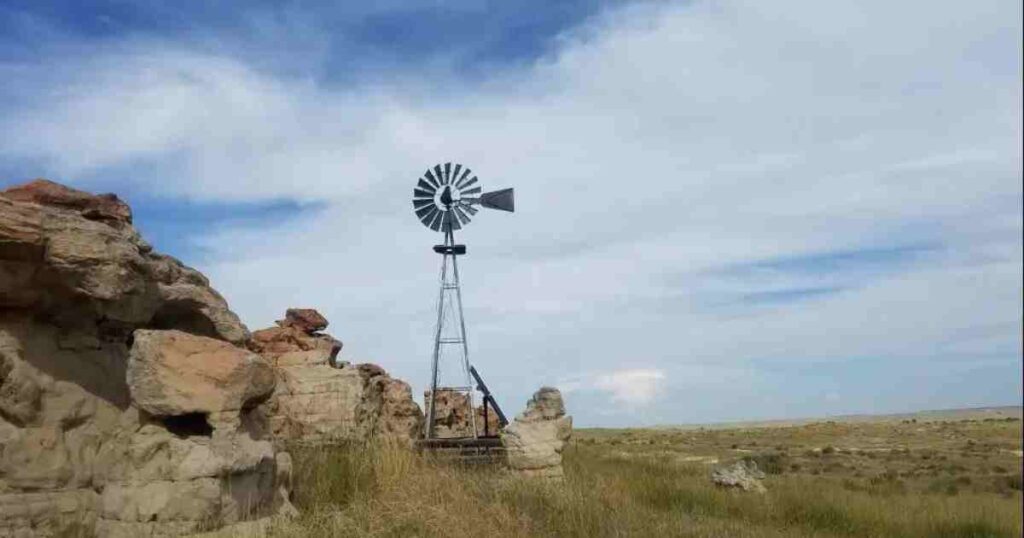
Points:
[952,479]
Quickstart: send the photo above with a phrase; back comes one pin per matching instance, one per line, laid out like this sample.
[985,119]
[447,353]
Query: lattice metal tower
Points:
[444,200]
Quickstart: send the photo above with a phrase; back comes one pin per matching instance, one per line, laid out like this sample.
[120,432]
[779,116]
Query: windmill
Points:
[445,199]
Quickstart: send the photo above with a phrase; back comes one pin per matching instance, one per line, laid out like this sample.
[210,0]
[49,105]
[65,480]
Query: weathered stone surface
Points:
[305,319]
[74,258]
[546,404]
[399,415]
[319,398]
[535,439]
[175,373]
[81,297]
[451,415]
[51,513]
[287,346]
[19,391]
[104,207]
[743,475]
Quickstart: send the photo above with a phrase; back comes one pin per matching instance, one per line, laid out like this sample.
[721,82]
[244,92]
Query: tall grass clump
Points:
[381,489]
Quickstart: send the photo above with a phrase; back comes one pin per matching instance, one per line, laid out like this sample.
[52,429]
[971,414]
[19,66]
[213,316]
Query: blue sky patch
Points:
[168,224]
[342,40]
[838,261]
[775,297]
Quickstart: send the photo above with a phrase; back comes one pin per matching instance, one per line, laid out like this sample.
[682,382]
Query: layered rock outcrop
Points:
[322,399]
[75,259]
[128,404]
[535,439]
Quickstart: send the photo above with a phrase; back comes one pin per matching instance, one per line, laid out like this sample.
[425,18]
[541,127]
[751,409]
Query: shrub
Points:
[769,462]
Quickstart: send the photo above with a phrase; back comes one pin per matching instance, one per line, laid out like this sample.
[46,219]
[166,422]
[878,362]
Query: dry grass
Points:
[646,483]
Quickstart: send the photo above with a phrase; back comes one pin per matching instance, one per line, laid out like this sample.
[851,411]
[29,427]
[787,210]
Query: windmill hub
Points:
[445,199]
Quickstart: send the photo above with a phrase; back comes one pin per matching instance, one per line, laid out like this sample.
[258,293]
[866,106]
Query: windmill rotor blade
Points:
[463,217]
[430,216]
[502,200]
[430,177]
[462,196]
[424,211]
[435,222]
[426,186]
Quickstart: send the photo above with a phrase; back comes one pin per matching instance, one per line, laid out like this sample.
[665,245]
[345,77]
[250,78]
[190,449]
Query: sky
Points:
[725,210]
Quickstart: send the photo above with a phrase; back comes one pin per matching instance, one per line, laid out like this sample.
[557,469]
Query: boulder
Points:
[307,320]
[535,439]
[173,373]
[743,475]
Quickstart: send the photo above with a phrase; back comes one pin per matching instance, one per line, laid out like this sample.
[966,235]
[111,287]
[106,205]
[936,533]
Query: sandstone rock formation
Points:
[127,407]
[743,475]
[535,439]
[319,398]
[80,262]
[451,415]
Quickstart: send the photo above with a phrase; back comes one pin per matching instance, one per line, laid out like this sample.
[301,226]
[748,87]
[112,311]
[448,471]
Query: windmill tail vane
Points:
[445,199]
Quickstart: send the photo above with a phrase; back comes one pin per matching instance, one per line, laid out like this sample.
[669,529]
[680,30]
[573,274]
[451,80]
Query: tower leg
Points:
[429,434]
[447,285]
[465,347]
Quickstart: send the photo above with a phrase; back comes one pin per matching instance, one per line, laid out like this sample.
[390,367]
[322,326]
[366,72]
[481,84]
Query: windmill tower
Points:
[444,200]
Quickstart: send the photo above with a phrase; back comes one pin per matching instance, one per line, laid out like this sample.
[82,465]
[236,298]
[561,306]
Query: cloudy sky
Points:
[726,210]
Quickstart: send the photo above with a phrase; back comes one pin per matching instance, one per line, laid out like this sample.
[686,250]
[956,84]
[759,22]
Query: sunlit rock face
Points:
[535,439]
[129,404]
[320,398]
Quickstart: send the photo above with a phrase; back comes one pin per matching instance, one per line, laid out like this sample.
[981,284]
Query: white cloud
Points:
[632,387]
[657,145]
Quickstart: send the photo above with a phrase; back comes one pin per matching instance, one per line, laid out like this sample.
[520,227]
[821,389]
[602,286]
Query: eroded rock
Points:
[74,259]
[452,415]
[307,320]
[535,439]
[173,373]
[743,475]
[319,398]
[103,207]
[179,446]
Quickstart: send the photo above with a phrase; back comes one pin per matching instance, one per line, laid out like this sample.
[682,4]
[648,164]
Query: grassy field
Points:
[877,479]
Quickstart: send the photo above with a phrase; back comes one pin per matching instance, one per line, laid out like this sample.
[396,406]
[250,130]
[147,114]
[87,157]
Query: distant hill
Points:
[971,413]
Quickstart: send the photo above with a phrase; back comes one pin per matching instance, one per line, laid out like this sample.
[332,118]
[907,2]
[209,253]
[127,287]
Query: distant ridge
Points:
[966,413]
